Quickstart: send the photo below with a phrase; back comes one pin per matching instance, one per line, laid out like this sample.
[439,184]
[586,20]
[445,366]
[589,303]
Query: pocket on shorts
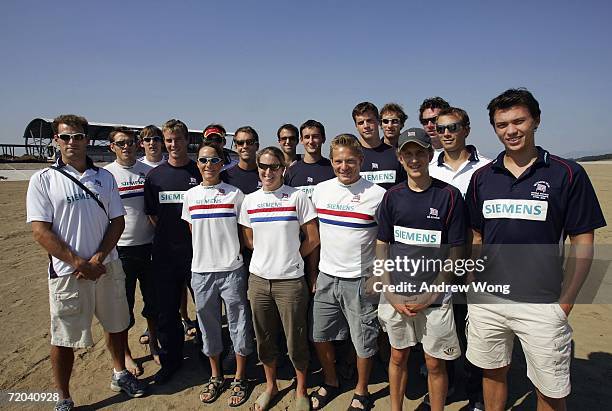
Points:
[66,303]
[559,312]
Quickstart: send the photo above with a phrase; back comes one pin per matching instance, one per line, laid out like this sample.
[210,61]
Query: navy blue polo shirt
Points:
[421,225]
[524,222]
[164,190]
[246,180]
[305,176]
[381,166]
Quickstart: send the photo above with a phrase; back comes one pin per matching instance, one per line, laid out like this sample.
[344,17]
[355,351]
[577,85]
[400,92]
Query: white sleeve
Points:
[304,207]
[244,215]
[239,200]
[186,215]
[115,205]
[38,203]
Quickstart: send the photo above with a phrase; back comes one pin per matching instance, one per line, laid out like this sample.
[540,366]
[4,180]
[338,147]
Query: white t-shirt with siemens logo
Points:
[130,180]
[275,218]
[75,217]
[213,214]
[347,226]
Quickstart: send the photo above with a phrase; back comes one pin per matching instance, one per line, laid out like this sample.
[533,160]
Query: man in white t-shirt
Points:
[151,138]
[79,224]
[134,246]
[346,207]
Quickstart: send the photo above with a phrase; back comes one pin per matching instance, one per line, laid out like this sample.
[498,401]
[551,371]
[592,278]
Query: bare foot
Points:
[154,352]
[263,401]
[132,367]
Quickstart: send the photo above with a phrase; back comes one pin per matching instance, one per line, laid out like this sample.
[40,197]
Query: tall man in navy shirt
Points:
[380,165]
[165,188]
[525,203]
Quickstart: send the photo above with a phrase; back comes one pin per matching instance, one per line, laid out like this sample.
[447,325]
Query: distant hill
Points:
[595,158]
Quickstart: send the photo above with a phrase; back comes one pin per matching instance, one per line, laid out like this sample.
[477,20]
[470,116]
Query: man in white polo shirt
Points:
[455,165]
[346,206]
[134,246]
[77,217]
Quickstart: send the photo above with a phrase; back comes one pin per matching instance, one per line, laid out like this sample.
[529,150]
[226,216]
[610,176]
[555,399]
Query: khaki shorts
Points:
[434,327]
[74,302]
[543,331]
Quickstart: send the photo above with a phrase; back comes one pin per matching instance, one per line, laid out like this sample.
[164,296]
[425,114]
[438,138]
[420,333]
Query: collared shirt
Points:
[459,178]
[523,221]
[74,215]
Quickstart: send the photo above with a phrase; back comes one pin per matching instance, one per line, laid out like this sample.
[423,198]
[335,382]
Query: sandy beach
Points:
[24,348]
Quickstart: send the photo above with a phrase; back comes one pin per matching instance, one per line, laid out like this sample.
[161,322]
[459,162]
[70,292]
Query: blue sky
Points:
[270,62]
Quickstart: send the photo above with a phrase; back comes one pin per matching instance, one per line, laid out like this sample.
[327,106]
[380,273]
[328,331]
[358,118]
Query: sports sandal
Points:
[239,389]
[364,400]
[190,328]
[144,337]
[213,389]
[323,400]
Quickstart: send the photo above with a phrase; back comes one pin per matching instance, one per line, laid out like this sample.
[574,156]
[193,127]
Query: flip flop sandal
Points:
[213,389]
[144,337]
[263,401]
[323,400]
[364,400]
[239,389]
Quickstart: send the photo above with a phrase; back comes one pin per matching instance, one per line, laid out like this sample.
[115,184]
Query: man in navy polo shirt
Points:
[165,188]
[432,229]
[525,204]
[392,120]
[313,168]
[380,165]
[244,175]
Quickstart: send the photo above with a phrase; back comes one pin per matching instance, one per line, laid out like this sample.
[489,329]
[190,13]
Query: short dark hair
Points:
[364,107]
[150,131]
[312,124]
[514,97]
[432,103]
[395,108]
[120,130]
[218,150]
[70,120]
[290,127]
[248,129]
[456,111]
[173,125]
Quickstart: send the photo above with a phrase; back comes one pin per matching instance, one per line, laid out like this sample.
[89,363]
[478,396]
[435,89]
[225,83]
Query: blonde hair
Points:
[346,140]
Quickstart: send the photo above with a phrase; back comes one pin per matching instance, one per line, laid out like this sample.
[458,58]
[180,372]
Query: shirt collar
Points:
[469,147]
[88,163]
[543,159]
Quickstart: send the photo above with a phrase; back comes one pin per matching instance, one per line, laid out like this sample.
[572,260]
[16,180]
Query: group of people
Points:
[288,244]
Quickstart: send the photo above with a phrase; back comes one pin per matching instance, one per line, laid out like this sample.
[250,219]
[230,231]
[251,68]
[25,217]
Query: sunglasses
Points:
[124,143]
[393,121]
[75,136]
[215,139]
[285,139]
[273,167]
[239,143]
[452,127]
[155,139]
[211,160]
[425,121]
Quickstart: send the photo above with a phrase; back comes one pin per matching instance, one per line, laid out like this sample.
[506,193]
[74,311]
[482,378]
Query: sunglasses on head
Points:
[273,167]
[214,139]
[211,160]
[425,121]
[75,136]
[240,143]
[124,143]
[155,139]
[452,127]
[393,121]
